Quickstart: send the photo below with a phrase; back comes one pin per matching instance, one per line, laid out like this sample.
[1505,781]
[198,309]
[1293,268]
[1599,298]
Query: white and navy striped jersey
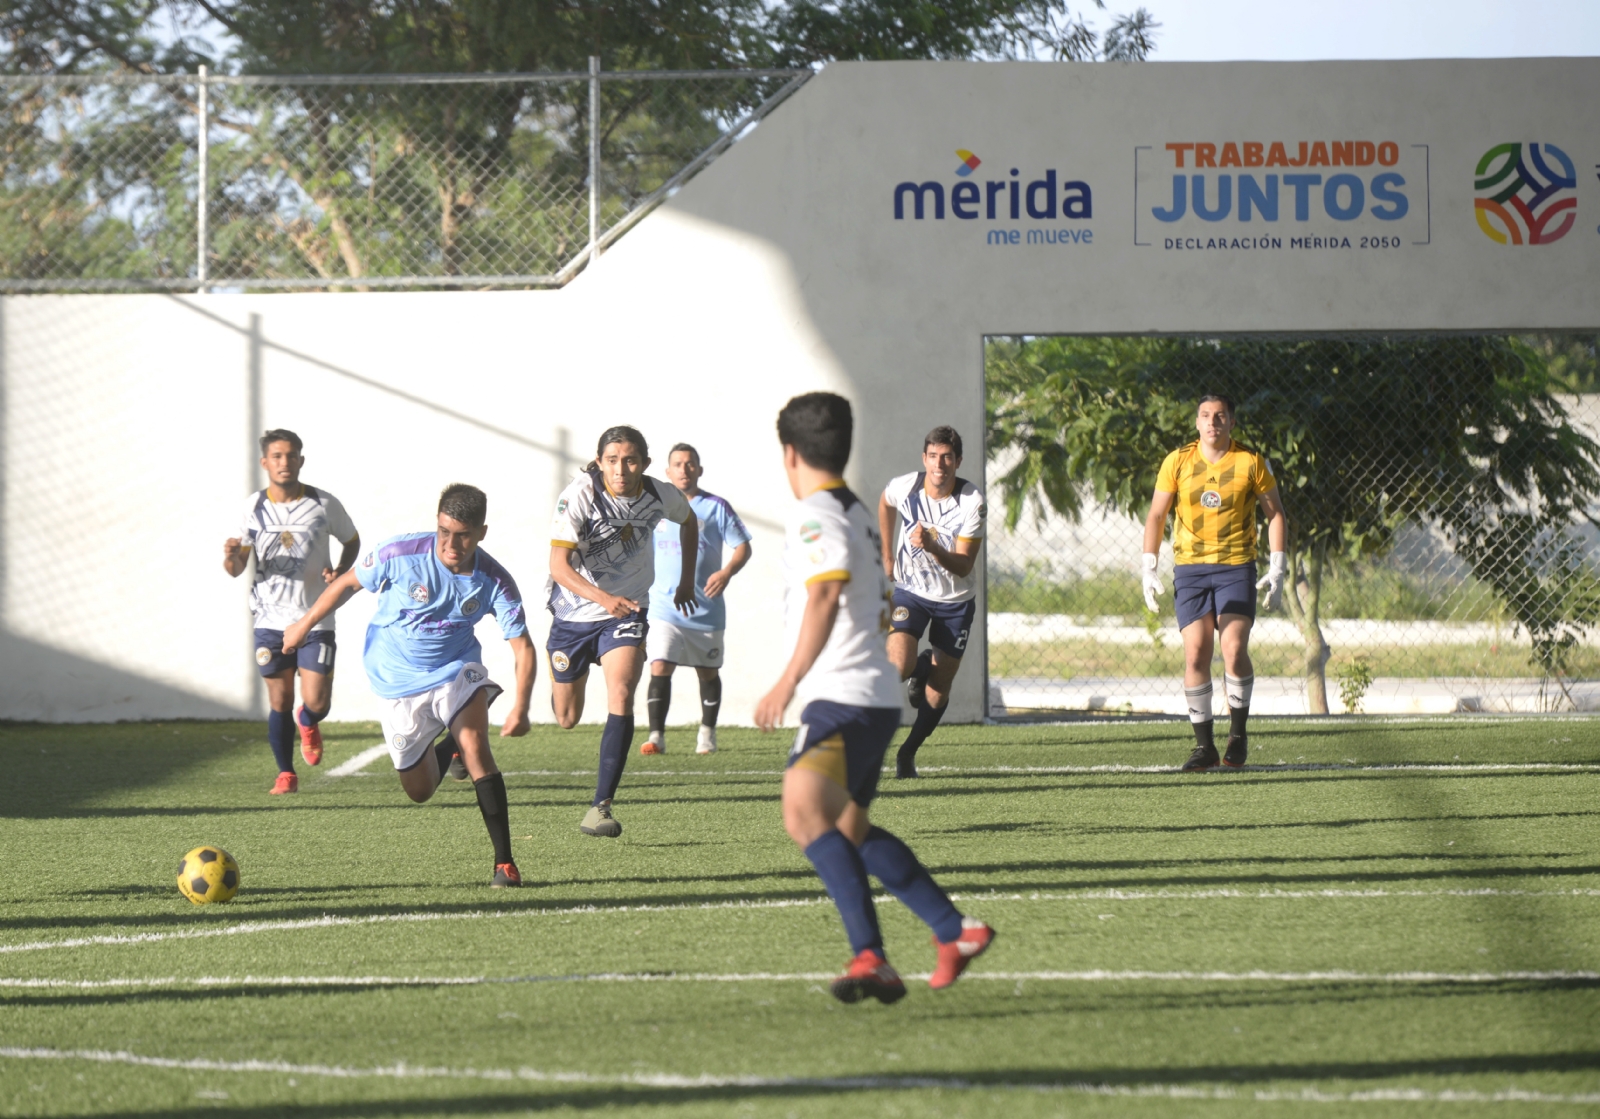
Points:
[612,540]
[958,517]
[290,545]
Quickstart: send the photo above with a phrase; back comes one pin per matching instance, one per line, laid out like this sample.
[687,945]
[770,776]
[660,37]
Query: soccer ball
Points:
[208,874]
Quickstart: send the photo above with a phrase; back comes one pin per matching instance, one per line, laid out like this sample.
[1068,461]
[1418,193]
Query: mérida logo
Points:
[1050,197]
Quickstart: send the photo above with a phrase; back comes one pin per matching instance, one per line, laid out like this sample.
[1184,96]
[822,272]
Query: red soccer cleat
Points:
[310,739]
[506,874]
[286,783]
[954,957]
[868,976]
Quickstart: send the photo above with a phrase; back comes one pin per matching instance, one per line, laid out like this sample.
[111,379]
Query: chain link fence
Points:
[1441,495]
[354,182]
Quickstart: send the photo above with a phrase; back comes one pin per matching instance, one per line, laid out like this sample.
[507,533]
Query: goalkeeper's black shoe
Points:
[1238,751]
[1203,758]
[458,769]
[917,682]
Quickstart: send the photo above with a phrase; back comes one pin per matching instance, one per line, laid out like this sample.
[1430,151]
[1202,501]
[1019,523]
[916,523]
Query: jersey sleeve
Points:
[733,531]
[572,515]
[249,525]
[506,602]
[897,489]
[674,506]
[1262,477]
[340,526]
[1167,479]
[372,574]
[821,541]
[974,511]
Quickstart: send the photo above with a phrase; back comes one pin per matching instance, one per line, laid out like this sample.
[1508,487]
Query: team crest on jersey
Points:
[286,538]
[559,661]
[901,614]
[561,506]
[983,510]
[1211,499]
[419,594]
[469,607]
[473,675]
[810,532]
[263,656]
[625,534]
[368,561]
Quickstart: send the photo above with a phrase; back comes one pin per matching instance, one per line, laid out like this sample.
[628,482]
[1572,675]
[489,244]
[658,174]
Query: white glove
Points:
[1152,582]
[1273,579]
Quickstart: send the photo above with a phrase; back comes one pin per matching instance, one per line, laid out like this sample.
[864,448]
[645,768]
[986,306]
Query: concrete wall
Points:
[129,419]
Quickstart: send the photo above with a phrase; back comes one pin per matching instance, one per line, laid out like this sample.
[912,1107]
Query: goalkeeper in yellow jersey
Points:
[1214,485]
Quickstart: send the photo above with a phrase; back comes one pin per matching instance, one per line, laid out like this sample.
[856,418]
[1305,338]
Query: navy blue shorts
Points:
[574,646]
[845,744]
[316,655]
[1199,589]
[949,624]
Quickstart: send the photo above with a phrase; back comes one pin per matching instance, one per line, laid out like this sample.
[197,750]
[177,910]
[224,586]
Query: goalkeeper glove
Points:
[1152,582]
[1277,568]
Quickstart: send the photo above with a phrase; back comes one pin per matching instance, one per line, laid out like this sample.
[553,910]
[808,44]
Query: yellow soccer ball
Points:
[208,874]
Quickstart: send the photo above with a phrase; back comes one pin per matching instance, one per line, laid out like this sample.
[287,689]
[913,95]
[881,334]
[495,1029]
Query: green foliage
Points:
[1572,359]
[1354,677]
[1106,593]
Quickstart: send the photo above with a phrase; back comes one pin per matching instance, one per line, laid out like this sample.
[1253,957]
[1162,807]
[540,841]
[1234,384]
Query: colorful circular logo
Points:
[1211,499]
[559,661]
[1526,194]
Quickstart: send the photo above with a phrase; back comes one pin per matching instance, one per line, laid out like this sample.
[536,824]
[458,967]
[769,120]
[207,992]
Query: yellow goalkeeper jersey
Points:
[1216,502]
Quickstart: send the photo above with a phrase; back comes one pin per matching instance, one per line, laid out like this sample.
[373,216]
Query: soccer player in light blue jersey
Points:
[424,661]
[695,637]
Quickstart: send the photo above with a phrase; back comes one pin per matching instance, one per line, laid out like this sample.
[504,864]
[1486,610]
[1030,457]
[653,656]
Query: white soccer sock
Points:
[1199,700]
[1238,689]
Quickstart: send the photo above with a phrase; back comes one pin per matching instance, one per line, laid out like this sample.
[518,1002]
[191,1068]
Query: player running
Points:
[602,563]
[693,637]
[836,604]
[940,517]
[286,528]
[424,661]
[1215,485]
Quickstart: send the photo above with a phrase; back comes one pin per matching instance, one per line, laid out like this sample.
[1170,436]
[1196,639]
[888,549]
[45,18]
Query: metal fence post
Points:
[202,188]
[594,158]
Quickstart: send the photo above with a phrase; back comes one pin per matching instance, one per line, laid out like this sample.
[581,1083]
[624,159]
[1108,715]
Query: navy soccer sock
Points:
[614,743]
[281,737]
[491,792]
[658,701]
[892,863]
[840,867]
[310,718]
[710,701]
[928,717]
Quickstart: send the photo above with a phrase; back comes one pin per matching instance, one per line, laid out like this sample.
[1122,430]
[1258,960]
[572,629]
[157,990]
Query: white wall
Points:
[128,419]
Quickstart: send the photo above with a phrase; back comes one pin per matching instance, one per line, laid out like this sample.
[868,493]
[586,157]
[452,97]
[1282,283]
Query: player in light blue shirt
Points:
[424,661]
[694,638]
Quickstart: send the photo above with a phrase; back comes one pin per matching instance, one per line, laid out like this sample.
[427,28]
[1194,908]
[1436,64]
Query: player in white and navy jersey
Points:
[836,614]
[940,518]
[286,529]
[602,562]
[693,637]
[423,659]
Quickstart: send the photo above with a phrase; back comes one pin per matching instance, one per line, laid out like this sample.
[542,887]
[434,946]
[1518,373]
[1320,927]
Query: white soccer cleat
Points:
[707,742]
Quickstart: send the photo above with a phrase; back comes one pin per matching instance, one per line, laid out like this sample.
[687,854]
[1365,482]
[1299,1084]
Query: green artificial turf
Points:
[681,968]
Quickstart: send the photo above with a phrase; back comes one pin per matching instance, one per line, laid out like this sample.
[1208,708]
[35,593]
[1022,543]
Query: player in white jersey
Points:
[941,519]
[286,528]
[836,613]
[602,562]
[695,637]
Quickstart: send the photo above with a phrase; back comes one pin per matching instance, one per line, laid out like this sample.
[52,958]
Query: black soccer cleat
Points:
[1238,751]
[917,682]
[1203,758]
[458,769]
[905,765]
[505,874]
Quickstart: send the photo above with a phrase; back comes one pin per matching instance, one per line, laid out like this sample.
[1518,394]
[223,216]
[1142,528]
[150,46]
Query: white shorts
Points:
[698,648]
[411,723]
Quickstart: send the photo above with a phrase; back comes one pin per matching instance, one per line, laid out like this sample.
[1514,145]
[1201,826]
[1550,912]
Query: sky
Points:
[1222,30]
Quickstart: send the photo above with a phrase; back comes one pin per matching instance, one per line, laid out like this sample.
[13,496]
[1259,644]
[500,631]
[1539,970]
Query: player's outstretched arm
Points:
[516,723]
[1155,527]
[689,540]
[235,556]
[887,516]
[565,575]
[336,592]
[822,608]
[718,581]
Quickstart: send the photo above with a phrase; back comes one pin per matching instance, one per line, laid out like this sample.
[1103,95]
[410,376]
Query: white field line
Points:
[359,762]
[1307,767]
[246,928]
[1091,976]
[402,1071]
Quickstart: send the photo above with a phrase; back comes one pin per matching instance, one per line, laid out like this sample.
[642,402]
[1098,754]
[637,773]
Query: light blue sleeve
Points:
[733,531]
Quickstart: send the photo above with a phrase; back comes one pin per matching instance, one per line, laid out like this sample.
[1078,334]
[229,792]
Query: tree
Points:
[1463,434]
